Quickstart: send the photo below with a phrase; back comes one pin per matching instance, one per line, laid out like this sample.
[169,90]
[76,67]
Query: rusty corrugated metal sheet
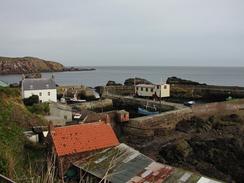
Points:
[124,164]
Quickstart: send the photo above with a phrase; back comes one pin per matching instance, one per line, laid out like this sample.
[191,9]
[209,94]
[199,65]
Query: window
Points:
[146,89]
[40,93]
[158,87]
[165,86]
[151,89]
[48,93]
[141,89]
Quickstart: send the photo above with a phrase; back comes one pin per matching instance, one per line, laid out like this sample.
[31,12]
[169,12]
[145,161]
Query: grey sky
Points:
[125,32]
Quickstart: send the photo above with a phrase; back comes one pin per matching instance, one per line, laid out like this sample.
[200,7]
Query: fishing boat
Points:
[147,110]
[74,99]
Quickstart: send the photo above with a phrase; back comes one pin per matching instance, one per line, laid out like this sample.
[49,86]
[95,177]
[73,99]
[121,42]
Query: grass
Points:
[15,157]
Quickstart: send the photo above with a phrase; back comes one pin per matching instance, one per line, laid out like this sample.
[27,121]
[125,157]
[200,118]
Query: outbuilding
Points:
[153,90]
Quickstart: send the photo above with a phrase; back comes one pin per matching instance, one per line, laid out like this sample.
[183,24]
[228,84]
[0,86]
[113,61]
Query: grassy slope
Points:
[15,159]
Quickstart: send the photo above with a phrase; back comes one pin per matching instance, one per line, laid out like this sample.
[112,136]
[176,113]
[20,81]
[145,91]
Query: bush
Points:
[42,108]
[34,99]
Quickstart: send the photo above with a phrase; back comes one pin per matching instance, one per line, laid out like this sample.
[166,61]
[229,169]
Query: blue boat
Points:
[146,112]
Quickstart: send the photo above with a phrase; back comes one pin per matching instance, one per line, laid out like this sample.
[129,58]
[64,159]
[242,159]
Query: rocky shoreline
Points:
[28,65]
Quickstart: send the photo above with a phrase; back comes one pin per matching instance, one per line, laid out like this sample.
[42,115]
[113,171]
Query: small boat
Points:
[146,112]
[74,100]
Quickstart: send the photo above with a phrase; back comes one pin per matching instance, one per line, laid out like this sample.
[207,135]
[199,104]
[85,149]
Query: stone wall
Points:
[117,90]
[206,110]
[140,102]
[150,126]
[205,91]
[98,105]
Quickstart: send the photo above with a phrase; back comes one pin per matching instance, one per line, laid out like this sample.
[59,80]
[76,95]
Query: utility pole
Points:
[134,85]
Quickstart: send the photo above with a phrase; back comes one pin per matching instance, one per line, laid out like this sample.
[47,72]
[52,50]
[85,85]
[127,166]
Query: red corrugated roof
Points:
[83,138]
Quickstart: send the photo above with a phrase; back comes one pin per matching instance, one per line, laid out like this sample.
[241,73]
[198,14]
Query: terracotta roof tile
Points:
[83,138]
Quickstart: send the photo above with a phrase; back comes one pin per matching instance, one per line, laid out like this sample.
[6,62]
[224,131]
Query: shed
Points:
[122,116]
[123,164]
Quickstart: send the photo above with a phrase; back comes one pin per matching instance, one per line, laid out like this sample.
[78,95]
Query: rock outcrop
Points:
[81,92]
[27,65]
[175,80]
[113,83]
[136,81]
[191,90]
[214,147]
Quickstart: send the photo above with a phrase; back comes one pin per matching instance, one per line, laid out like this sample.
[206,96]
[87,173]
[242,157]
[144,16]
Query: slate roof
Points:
[38,84]
[83,138]
[124,164]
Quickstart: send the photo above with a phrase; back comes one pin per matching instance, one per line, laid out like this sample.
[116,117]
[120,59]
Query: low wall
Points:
[206,110]
[128,101]
[150,126]
[98,105]
[117,90]
[205,91]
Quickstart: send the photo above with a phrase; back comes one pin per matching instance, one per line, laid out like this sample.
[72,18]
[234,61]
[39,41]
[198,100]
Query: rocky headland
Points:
[26,65]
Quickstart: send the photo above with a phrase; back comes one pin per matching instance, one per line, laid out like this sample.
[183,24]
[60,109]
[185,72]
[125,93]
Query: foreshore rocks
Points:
[176,80]
[81,92]
[214,147]
[69,69]
[113,83]
[136,81]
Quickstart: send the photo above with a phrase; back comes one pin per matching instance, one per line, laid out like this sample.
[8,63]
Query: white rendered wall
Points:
[44,96]
[149,93]
[145,93]
[165,92]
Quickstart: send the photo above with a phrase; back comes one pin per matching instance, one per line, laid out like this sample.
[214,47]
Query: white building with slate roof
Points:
[45,88]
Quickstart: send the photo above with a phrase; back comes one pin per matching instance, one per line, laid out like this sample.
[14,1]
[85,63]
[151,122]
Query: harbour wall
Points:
[157,125]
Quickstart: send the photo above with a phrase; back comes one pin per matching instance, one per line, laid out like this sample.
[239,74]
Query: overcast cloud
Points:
[125,32]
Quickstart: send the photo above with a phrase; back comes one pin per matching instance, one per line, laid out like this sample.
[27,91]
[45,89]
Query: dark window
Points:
[141,89]
[40,93]
[48,93]
[146,89]
[151,89]
[158,87]
[165,86]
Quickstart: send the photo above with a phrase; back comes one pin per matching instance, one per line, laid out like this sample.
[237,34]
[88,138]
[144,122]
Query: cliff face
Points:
[26,65]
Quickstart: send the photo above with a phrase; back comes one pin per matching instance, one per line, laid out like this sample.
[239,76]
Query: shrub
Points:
[34,99]
[42,108]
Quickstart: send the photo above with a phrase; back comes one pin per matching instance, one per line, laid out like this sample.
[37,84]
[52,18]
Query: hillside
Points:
[17,158]
[26,65]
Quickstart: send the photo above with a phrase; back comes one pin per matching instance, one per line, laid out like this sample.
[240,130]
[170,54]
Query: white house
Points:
[153,90]
[45,88]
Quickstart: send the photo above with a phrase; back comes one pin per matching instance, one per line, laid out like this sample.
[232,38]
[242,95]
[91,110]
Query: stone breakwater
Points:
[150,126]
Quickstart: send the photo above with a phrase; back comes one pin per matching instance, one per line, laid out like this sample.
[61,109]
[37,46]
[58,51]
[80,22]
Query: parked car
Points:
[189,103]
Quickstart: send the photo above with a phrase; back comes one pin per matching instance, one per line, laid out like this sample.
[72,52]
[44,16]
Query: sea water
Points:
[231,76]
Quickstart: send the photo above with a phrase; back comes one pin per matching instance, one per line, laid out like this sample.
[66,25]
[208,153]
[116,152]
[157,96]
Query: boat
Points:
[74,99]
[147,110]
